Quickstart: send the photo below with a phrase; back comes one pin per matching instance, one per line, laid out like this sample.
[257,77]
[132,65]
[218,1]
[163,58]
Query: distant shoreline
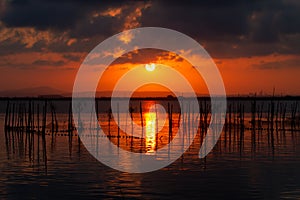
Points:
[246,98]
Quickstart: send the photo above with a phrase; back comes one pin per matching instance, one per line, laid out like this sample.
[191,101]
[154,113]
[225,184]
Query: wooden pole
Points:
[142,124]
[44,134]
[131,116]
[118,125]
[6,115]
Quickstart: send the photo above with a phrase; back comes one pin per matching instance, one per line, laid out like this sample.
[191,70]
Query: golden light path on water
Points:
[150,119]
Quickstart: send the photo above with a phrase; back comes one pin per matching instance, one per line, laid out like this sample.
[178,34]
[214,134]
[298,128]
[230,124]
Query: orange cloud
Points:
[112,12]
[132,21]
[71,41]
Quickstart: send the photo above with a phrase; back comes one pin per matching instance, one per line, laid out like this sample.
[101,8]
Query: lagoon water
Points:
[251,168]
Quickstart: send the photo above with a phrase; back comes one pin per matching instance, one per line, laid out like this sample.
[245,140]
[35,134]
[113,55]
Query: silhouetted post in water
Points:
[27,138]
[253,111]
[55,119]
[156,126]
[298,118]
[6,115]
[32,132]
[38,131]
[203,110]
[271,121]
[29,118]
[276,110]
[238,120]
[7,143]
[200,114]
[142,124]
[183,118]
[242,116]
[234,120]
[179,117]
[259,116]
[171,122]
[277,114]
[13,125]
[19,116]
[70,128]
[6,129]
[272,114]
[170,107]
[25,117]
[23,113]
[131,116]
[242,126]
[230,125]
[33,118]
[225,130]
[80,127]
[283,114]
[52,122]
[109,119]
[97,131]
[13,116]
[294,107]
[188,122]
[234,114]
[44,134]
[118,124]
[205,116]
[19,130]
[9,118]
[70,120]
[268,117]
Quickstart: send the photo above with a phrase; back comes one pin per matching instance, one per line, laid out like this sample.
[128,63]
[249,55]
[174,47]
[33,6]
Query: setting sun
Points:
[150,67]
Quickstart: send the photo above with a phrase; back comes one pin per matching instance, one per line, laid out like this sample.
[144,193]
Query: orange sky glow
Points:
[241,75]
[252,56]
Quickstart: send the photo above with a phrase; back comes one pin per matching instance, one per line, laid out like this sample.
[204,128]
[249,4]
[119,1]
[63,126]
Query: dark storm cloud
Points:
[205,19]
[229,28]
[65,20]
[44,14]
[105,26]
[232,28]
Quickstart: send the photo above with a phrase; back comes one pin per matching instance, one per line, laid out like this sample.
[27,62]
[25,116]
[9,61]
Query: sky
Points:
[255,44]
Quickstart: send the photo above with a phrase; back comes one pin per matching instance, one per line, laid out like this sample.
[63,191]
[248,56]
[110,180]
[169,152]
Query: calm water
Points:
[253,168]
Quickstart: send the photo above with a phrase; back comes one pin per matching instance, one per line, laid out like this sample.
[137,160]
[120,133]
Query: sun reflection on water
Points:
[150,119]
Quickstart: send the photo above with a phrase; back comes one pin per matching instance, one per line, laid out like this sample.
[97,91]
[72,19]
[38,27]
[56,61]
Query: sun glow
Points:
[150,67]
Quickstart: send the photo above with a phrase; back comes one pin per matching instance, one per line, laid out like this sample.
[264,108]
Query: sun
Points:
[150,67]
